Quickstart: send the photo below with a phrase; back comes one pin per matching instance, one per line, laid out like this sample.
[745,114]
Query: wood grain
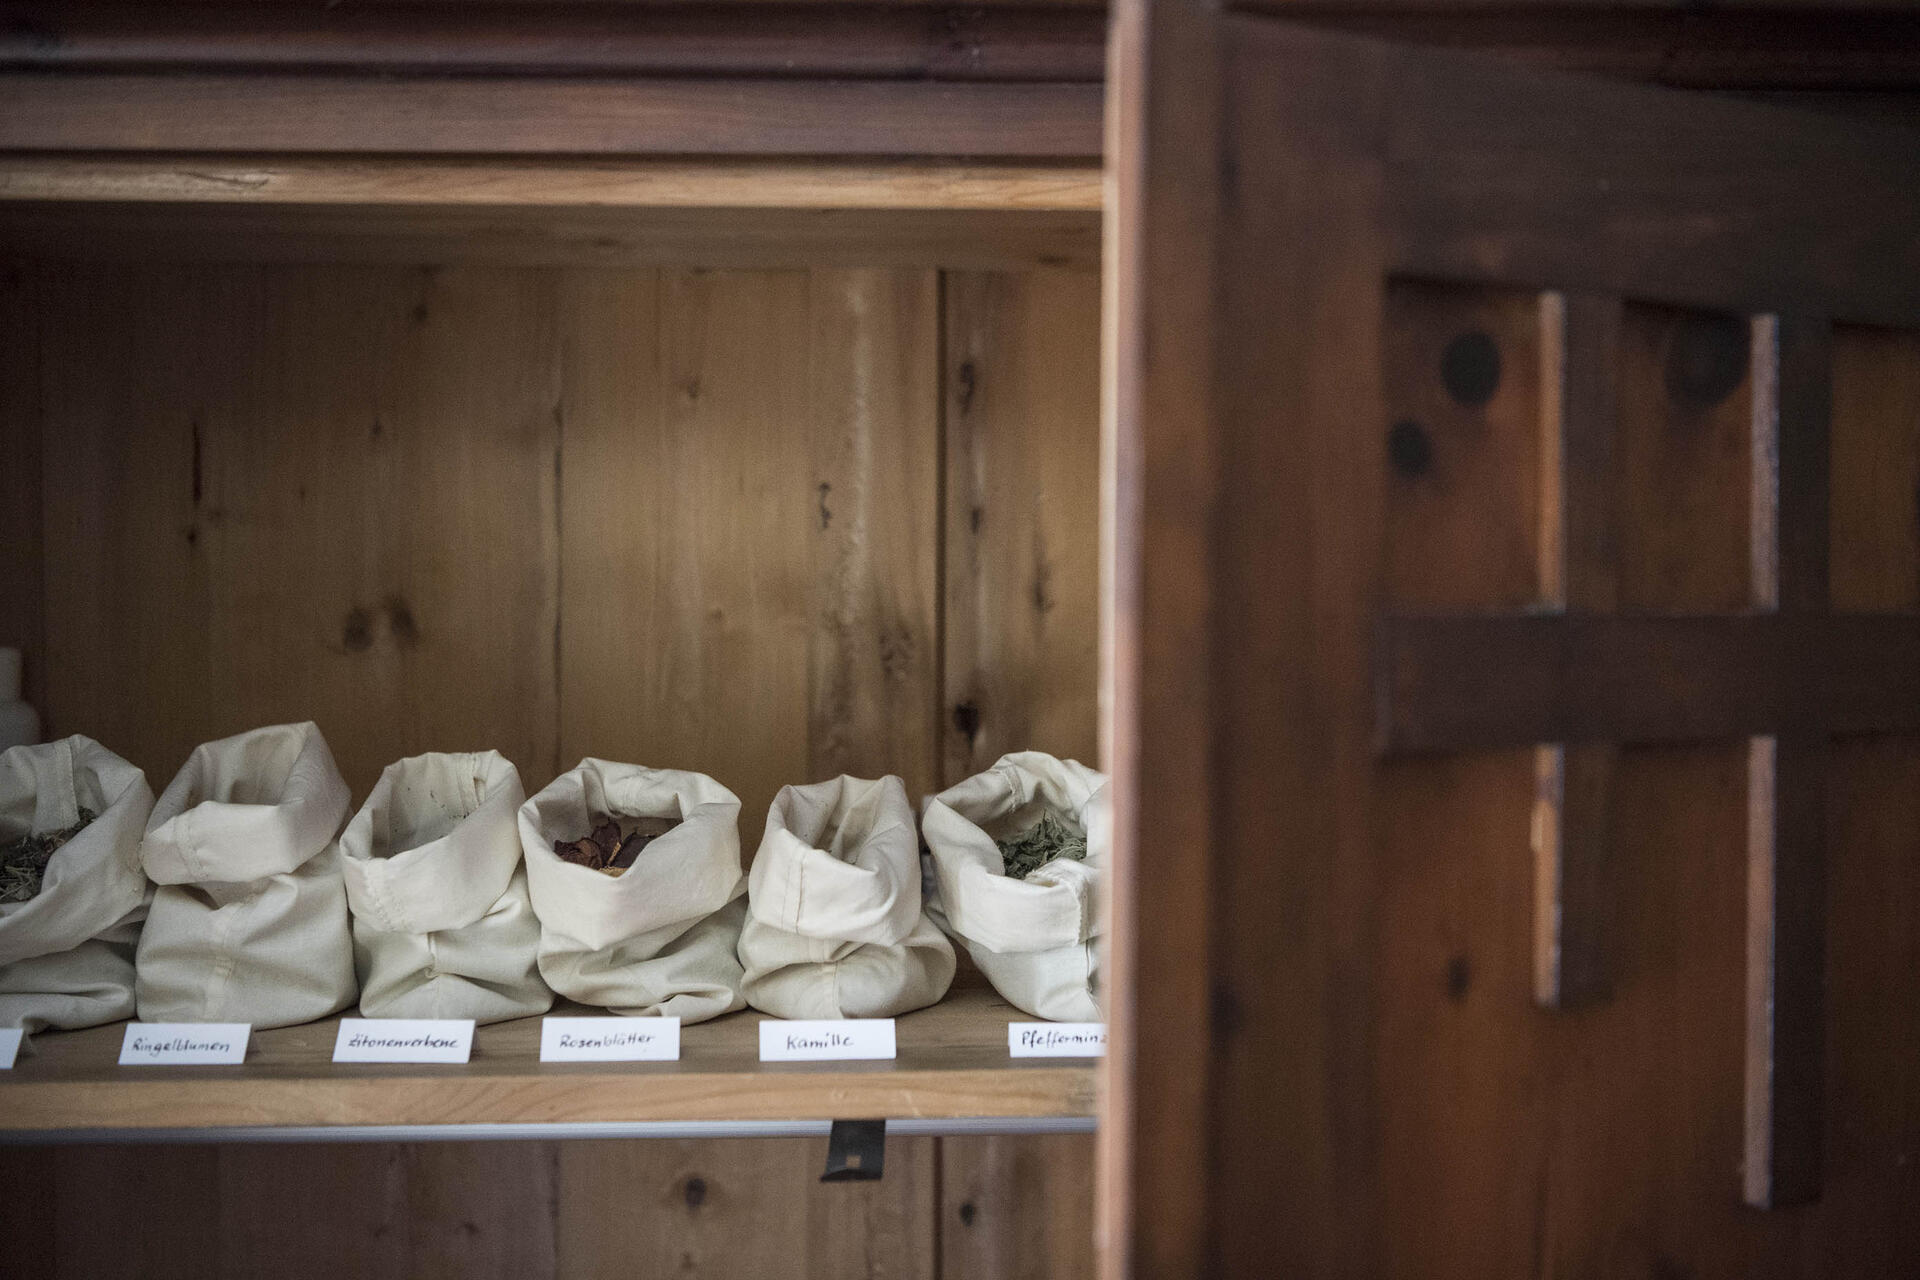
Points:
[334,114]
[22,567]
[304,452]
[598,237]
[744,1207]
[559,182]
[1022,517]
[1469,532]
[1016,1208]
[754,642]
[934,41]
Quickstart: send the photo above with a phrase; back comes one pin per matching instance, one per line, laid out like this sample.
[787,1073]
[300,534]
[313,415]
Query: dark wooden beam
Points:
[328,114]
[1683,44]
[1513,680]
[830,41]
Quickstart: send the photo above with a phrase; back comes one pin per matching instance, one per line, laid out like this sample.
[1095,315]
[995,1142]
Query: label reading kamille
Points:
[826,1040]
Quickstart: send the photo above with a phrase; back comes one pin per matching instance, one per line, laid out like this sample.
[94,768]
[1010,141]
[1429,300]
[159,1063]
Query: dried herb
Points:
[23,862]
[606,850]
[1043,842]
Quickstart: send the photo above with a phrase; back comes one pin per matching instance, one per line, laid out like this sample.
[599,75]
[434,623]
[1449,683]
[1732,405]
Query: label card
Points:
[404,1040]
[1057,1039]
[610,1040]
[184,1044]
[9,1047]
[825,1040]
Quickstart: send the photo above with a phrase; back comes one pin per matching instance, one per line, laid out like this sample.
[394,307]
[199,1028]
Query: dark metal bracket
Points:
[856,1151]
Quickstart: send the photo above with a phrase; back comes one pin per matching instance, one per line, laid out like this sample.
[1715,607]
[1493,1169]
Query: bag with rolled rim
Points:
[442,923]
[835,925]
[1037,940]
[249,923]
[660,938]
[66,954]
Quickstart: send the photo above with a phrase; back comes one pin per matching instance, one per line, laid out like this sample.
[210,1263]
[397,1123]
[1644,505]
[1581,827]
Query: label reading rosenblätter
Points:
[1057,1039]
[824,1040]
[609,1039]
[184,1044]
[9,1047]
[404,1040]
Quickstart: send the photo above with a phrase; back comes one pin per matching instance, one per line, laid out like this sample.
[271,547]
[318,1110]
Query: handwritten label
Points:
[610,1040]
[826,1040]
[9,1047]
[184,1044]
[1057,1039]
[404,1040]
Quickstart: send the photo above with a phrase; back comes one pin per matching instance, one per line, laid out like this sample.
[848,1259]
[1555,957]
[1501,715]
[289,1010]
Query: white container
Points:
[19,723]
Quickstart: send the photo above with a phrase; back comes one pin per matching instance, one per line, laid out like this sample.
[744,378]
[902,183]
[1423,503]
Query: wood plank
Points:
[953,1062]
[1470,368]
[1791,45]
[713,651]
[332,114]
[1022,517]
[306,1213]
[1483,187]
[129,360]
[1787,777]
[1016,1208]
[560,182]
[1579,483]
[603,238]
[1463,681]
[481,1210]
[814,40]
[1020,611]
[22,565]
[873,644]
[743,1207]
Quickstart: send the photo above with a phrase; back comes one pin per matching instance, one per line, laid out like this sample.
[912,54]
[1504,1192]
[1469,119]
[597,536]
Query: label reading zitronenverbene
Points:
[610,1040]
[826,1040]
[184,1044]
[404,1040]
[1057,1039]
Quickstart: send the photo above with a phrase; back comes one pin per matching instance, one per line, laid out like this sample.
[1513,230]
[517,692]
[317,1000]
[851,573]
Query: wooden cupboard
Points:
[723,385]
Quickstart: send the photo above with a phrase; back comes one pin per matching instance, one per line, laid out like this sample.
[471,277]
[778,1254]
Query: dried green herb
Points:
[1043,842]
[23,862]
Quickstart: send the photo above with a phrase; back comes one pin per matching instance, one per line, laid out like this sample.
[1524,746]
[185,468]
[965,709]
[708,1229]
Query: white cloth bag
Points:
[660,938]
[835,927]
[442,925]
[66,954]
[1036,939]
[249,923]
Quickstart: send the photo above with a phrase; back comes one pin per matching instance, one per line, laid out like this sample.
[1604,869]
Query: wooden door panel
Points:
[1476,425]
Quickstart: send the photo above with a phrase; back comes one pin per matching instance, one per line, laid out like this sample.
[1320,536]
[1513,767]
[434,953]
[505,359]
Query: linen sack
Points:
[66,954]
[249,923]
[442,924]
[835,927]
[659,938]
[1036,939]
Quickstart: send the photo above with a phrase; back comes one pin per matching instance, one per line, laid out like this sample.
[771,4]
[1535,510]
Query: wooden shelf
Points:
[952,1064]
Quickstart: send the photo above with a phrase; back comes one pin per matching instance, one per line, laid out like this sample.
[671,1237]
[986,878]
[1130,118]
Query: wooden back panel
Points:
[1481,893]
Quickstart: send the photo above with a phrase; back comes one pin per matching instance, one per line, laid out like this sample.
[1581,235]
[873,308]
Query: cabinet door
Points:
[1514,670]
